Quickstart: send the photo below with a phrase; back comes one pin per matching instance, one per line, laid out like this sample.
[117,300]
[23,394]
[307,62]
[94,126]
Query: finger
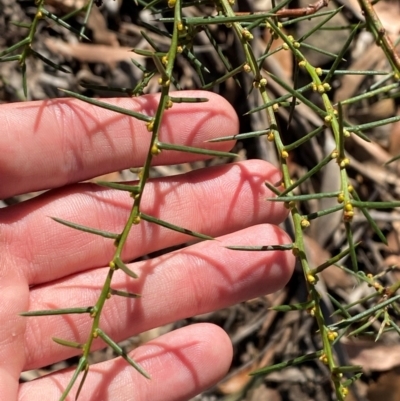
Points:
[212,201]
[203,277]
[178,362]
[52,143]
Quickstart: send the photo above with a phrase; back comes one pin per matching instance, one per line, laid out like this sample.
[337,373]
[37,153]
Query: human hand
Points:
[45,265]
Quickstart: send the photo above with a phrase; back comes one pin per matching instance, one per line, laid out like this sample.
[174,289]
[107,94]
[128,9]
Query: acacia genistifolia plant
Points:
[181,30]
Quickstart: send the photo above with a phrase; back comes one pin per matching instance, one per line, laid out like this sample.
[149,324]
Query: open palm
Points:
[44,265]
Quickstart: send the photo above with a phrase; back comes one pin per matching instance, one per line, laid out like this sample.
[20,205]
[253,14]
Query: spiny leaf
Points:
[67,343]
[49,62]
[24,82]
[62,23]
[350,381]
[279,100]
[284,247]
[298,95]
[108,106]
[229,74]
[20,24]
[324,212]
[101,233]
[121,265]
[66,311]
[333,260]
[120,186]
[364,314]
[366,214]
[339,57]
[321,195]
[352,249]
[272,188]
[304,139]
[17,57]
[369,126]
[124,293]
[81,366]
[319,50]
[347,369]
[119,351]
[175,99]
[85,372]
[254,134]
[311,172]
[191,149]
[282,365]
[10,49]
[320,24]
[173,227]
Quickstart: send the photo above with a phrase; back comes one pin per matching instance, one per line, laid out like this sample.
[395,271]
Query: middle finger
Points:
[213,201]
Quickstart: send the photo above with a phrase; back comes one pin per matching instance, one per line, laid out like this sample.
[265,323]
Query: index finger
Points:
[52,143]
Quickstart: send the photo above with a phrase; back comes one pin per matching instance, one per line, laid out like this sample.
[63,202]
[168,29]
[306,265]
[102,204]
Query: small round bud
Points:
[271,137]
[247,68]
[163,82]
[311,279]
[296,45]
[295,251]
[348,207]
[332,335]
[340,198]
[150,125]
[324,359]
[321,89]
[344,163]
[305,223]
[348,216]
[285,46]
[247,34]
[136,220]
[302,63]
[155,150]
[263,82]
[327,87]
[284,154]
[318,71]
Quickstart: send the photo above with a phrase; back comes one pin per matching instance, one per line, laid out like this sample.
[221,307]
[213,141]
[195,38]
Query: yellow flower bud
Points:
[318,71]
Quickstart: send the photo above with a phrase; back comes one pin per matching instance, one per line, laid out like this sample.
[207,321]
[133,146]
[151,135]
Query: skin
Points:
[44,265]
